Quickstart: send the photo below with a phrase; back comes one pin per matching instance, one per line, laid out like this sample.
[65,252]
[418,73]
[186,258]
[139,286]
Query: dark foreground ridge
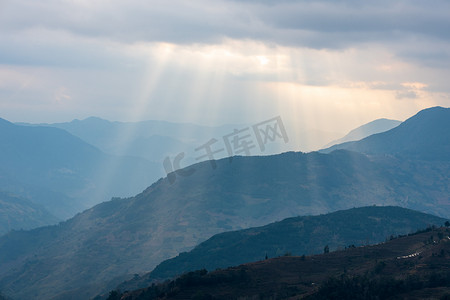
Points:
[303,235]
[408,267]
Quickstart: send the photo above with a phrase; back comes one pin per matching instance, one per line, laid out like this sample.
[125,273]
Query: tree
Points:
[447,224]
[114,295]
[326,249]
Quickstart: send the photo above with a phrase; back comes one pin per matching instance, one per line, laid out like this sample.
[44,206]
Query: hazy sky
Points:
[330,65]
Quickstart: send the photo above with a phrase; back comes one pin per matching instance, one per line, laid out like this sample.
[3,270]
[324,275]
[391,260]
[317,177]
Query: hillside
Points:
[167,219]
[409,267]
[114,239]
[374,127]
[297,236]
[62,173]
[18,213]
[423,136]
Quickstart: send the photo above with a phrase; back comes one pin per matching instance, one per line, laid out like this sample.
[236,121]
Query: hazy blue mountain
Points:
[296,236]
[376,126]
[155,140]
[152,140]
[126,236]
[18,213]
[63,173]
[94,128]
[423,136]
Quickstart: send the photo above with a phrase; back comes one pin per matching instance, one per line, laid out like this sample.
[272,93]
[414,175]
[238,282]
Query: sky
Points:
[328,65]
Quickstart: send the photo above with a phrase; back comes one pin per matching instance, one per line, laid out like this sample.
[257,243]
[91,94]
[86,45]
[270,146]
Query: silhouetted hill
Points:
[63,173]
[376,126]
[409,267]
[424,136]
[297,236]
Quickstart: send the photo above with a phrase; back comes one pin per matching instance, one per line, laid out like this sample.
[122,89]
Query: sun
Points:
[263,60]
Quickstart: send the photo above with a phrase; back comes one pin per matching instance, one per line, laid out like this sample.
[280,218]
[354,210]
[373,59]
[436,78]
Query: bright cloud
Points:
[322,62]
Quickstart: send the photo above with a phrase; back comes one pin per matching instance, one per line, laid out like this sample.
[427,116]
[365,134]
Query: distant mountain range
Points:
[64,174]
[114,239]
[155,140]
[294,236]
[152,140]
[424,136]
[409,267]
[376,126]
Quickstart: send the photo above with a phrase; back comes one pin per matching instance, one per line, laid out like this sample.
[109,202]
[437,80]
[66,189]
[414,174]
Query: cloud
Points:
[237,59]
[403,27]
[61,94]
[82,33]
[315,24]
[409,94]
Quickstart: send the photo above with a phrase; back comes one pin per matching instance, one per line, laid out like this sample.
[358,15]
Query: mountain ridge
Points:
[167,219]
[422,136]
[415,266]
[302,235]
[58,170]
[172,216]
[365,130]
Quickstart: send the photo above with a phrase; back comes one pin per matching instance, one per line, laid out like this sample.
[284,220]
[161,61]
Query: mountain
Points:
[152,140]
[64,174]
[297,236]
[155,140]
[423,136]
[410,267]
[125,236]
[376,126]
[18,213]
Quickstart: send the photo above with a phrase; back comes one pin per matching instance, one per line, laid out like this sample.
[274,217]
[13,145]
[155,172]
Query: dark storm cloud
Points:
[314,24]
[92,34]
[412,30]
